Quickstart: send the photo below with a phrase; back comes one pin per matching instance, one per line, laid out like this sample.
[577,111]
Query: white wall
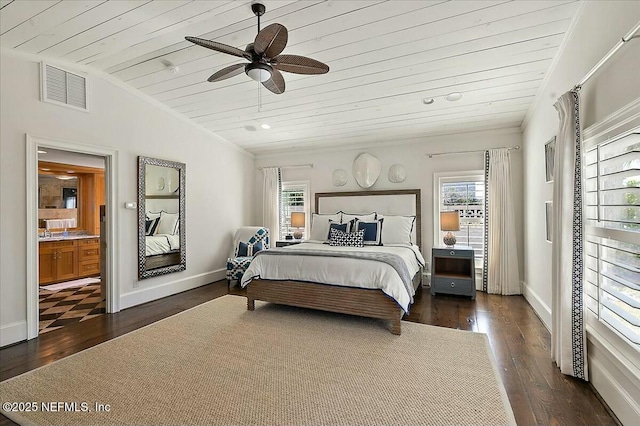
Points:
[420,170]
[598,27]
[219,186]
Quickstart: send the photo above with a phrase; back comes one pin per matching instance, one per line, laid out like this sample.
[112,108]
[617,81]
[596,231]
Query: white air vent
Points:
[63,87]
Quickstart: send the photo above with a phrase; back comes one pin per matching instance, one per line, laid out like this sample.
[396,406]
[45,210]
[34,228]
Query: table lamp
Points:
[449,221]
[297,221]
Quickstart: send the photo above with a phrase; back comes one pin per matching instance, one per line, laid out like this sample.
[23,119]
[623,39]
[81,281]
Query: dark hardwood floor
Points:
[538,393]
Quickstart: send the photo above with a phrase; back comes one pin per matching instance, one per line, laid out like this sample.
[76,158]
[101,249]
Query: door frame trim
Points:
[112,268]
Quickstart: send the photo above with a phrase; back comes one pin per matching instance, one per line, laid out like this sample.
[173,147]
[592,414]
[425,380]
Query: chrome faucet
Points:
[46,233]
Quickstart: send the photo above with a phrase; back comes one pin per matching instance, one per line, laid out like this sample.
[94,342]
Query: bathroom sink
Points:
[56,238]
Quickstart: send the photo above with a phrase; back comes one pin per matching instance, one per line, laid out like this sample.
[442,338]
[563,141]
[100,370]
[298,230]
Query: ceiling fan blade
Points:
[271,40]
[276,83]
[299,64]
[220,47]
[227,72]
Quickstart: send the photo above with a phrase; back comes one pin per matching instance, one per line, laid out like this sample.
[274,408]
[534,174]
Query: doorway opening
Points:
[70,228]
[70,196]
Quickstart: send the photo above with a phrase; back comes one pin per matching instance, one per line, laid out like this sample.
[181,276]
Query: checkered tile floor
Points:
[69,306]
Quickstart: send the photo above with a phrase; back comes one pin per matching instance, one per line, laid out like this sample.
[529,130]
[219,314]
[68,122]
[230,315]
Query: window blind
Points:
[293,200]
[612,228]
[467,197]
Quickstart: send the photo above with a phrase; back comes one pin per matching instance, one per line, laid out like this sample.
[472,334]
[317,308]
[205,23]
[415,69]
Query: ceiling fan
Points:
[264,56]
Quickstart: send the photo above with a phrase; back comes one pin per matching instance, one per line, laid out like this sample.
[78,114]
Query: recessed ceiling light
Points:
[70,171]
[66,177]
[46,170]
[41,151]
[265,126]
[169,66]
[455,96]
[428,101]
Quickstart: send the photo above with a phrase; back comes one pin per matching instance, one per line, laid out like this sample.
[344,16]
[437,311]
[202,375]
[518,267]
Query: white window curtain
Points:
[271,199]
[568,335]
[500,274]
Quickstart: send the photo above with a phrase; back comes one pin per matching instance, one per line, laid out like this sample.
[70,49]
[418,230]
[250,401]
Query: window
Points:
[463,193]
[295,198]
[612,233]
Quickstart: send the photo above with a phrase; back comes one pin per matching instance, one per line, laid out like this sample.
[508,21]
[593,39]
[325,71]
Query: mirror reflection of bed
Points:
[161,201]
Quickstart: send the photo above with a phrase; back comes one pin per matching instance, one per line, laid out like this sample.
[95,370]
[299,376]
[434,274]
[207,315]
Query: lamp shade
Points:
[258,71]
[449,221]
[297,219]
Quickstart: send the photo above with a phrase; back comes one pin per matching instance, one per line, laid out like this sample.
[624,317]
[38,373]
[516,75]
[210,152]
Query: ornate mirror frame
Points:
[171,263]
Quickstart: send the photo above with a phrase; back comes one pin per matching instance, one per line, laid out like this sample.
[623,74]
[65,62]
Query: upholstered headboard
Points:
[405,202]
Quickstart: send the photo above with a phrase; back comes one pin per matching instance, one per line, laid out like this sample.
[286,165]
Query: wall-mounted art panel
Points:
[366,170]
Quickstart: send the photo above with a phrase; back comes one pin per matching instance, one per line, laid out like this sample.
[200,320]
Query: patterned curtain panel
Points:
[568,335]
[272,200]
[500,273]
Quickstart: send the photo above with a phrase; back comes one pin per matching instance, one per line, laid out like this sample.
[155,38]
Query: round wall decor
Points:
[366,169]
[397,173]
[339,177]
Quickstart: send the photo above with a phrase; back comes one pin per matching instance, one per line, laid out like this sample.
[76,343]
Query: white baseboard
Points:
[618,386]
[542,309]
[12,333]
[167,289]
[426,279]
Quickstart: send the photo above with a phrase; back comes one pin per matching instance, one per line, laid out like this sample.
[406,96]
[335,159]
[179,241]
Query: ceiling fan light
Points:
[258,71]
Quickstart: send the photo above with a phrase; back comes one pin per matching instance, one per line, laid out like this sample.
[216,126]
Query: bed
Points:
[162,237]
[161,244]
[296,287]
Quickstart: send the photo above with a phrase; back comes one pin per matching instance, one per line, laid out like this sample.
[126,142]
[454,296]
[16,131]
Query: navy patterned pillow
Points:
[346,239]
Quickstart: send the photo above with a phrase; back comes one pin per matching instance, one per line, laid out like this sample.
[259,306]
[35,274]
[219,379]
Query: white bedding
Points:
[161,243]
[340,271]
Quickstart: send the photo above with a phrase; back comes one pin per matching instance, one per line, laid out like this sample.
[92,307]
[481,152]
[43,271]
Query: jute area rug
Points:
[221,364]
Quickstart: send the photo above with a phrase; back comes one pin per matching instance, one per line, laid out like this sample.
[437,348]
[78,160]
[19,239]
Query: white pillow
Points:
[168,223]
[153,215]
[320,225]
[364,217]
[397,229]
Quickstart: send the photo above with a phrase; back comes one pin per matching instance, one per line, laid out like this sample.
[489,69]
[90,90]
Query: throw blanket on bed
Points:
[392,260]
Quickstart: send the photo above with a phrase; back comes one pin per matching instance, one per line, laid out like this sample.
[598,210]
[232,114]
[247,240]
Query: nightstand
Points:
[453,271]
[286,243]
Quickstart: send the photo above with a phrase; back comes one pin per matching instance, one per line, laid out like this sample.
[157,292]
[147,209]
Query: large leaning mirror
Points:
[161,217]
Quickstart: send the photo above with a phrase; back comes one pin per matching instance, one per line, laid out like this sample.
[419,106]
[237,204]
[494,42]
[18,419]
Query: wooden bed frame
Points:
[347,300]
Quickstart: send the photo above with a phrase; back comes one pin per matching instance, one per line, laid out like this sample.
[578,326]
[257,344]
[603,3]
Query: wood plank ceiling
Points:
[386,57]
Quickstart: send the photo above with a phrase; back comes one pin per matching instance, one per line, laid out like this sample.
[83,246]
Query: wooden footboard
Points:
[347,300]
